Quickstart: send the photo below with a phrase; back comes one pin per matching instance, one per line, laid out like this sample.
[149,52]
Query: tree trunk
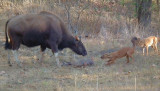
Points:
[144,12]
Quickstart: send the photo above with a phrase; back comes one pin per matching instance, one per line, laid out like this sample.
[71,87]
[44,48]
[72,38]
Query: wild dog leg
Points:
[127,58]
[143,50]
[147,50]
[110,61]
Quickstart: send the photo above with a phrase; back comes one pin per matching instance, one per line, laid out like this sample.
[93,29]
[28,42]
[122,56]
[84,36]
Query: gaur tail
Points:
[7,44]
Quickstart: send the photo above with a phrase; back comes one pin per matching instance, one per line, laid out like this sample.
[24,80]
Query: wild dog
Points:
[124,52]
[147,42]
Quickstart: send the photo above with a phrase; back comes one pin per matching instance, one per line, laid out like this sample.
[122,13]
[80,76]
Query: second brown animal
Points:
[147,42]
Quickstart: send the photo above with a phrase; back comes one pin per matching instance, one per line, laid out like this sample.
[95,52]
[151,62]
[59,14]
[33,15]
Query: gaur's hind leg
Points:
[9,57]
[15,47]
[15,53]
[42,53]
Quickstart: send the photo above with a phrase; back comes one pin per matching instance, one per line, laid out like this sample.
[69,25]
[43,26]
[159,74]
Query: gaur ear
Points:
[77,38]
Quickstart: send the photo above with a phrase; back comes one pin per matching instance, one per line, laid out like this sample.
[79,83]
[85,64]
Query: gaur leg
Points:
[54,48]
[15,53]
[43,48]
[15,47]
[9,57]
[57,59]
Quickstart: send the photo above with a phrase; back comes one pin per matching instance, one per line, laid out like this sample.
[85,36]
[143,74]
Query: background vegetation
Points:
[117,17]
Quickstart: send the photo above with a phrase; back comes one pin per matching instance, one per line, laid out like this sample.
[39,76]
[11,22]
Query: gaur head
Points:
[78,47]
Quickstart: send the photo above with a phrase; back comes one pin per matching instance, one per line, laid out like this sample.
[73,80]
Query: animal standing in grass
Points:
[45,30]
[147,42]
[124,52]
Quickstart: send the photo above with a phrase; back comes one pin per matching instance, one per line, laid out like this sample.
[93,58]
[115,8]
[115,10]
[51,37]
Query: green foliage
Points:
[135,8]
[122,2]
[154,6]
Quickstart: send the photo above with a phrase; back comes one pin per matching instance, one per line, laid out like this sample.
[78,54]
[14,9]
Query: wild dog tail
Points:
[7,44]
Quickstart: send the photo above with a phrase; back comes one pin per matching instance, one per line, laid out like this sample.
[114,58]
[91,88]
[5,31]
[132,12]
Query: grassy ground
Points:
[142,74]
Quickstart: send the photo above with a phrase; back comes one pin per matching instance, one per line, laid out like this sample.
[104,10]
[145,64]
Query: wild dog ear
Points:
[138,38]
[134,38]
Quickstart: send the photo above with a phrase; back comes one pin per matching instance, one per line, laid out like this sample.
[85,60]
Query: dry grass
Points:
[47,77]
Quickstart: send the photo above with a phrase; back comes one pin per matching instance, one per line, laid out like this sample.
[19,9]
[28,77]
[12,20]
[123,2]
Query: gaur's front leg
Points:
[54,48]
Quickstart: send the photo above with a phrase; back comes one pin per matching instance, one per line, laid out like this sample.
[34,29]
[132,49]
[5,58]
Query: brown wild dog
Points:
[124,52]
[147,42]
